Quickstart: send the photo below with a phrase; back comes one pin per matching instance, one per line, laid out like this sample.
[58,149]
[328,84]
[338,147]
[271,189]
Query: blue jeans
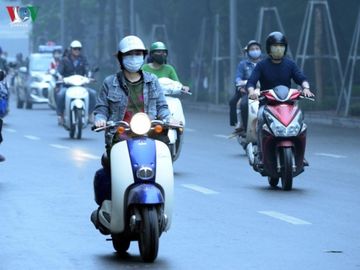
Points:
[60,100]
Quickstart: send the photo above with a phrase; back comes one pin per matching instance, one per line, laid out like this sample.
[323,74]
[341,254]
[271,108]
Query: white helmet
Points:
[130,43]
[75,44]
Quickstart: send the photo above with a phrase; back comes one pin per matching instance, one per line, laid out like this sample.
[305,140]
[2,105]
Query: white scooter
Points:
[142,184]
[76,104]
[171,89]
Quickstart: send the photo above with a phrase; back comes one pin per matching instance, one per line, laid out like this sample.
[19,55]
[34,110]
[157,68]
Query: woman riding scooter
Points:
[130,91]
[243,72]
[158,64]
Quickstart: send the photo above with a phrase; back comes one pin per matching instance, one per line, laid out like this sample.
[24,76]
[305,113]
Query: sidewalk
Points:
[317,117]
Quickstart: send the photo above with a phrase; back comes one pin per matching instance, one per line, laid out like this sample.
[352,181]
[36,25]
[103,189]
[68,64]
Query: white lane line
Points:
[30,137]
[221,136]
[59,146]
[189,129]
[89,156]
[200,189]
[10,130]
[286,218]
[330,155]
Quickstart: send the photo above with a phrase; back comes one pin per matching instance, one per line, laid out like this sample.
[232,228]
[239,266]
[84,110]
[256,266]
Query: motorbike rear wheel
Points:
[286,169]
[149,234]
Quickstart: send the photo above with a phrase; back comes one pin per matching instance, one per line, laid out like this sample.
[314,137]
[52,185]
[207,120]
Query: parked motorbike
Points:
[142,186]
[283,137]
[76,104]
[171,90]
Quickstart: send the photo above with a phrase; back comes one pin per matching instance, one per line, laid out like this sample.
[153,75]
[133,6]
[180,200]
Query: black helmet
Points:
[276,38]
[252,42]
[2,74]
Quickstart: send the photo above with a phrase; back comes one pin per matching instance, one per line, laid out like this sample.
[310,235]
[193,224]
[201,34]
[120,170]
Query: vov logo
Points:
[22,14]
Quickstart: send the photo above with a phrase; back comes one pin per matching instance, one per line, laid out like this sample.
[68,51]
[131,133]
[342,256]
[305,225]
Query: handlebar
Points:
[111,124]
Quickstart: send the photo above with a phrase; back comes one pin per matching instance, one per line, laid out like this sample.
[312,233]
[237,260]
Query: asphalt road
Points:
[225,215]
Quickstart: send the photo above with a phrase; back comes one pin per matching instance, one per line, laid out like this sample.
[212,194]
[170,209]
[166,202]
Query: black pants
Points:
[232,103]
[244,108]
[1,123]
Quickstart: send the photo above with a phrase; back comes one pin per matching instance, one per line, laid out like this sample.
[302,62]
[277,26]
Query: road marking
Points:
[286,218]
[200,189]
[221,136]
[189,129]
[89,156]
[59,146]
[30,137]
[10,130]
[330,155]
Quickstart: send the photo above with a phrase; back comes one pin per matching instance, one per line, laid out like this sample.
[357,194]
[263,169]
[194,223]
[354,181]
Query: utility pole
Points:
[233,32]
[62,27]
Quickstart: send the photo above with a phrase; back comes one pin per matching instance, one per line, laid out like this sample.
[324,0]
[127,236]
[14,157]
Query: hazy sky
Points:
[13,39]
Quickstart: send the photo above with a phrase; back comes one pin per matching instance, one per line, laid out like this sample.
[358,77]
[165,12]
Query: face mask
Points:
[159,58]
[277,52]
[133,63]
[254,54]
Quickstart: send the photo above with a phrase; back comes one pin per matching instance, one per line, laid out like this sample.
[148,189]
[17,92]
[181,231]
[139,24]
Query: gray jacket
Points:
[112,100]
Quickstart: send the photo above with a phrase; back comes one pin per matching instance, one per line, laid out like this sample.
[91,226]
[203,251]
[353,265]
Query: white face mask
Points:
[277,51]
[133,63]
[254,54]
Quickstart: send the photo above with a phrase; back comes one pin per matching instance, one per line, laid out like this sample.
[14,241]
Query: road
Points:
[225,215]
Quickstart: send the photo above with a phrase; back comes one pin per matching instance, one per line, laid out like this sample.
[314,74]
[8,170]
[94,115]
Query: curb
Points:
[314,117]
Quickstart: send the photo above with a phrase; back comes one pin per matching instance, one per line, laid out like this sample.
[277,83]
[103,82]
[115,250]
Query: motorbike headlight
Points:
[140,123]
[279,130]
[145,173]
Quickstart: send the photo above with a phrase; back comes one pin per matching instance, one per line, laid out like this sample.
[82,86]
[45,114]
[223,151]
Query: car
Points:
[33,84]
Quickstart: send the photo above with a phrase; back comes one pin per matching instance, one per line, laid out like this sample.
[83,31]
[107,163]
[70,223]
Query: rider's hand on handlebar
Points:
[307,93]
[100,123]
[253,94]
[185,88]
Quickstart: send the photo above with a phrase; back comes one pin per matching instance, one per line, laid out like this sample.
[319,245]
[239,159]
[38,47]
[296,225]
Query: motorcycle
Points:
[283,137]
[142,184]
[171,89]
[76,104]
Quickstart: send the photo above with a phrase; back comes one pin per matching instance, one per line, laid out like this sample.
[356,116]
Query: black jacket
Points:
[66,67]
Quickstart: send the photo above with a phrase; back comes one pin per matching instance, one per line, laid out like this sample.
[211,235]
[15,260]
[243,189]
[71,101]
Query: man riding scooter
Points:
[73,64]
[273,71]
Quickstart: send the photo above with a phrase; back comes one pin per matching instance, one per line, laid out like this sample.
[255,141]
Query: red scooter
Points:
[282,136]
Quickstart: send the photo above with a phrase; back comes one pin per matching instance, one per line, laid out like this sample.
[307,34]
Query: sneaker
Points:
[240,131]
[95,218]
[2,158]
[60,120]
[306,163]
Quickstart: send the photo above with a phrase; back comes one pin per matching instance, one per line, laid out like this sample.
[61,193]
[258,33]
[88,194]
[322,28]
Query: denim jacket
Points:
[112,100]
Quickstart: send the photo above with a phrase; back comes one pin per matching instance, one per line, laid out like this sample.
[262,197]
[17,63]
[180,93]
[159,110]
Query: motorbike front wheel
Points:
[78,123]
[149,234]
[120,244]
[286,169]
[273,182]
